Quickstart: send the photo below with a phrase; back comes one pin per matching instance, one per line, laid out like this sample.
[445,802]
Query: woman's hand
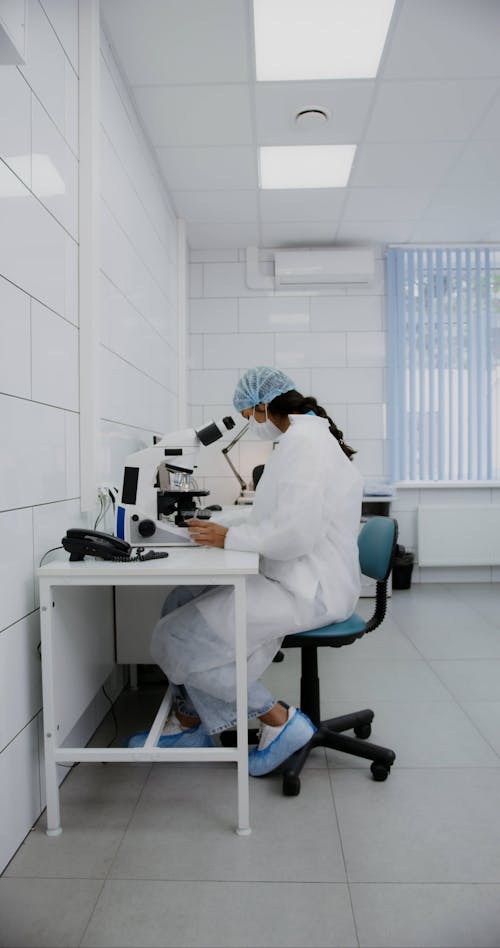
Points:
[206,533]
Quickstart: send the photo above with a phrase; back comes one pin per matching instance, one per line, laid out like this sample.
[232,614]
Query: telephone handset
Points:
[79,543]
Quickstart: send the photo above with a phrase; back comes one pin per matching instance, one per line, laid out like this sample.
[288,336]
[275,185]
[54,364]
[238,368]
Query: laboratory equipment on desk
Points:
[159,492]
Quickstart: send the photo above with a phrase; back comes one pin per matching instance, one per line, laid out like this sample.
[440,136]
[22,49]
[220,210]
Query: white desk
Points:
[77,658]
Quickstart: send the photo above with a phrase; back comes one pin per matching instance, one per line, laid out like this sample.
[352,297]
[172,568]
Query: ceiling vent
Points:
[323,267]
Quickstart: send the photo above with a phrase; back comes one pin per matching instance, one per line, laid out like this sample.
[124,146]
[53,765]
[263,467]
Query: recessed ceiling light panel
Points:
[305,166]
[320,39]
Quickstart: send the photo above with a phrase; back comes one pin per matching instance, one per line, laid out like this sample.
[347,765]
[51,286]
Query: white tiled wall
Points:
[332,344]
[39,370]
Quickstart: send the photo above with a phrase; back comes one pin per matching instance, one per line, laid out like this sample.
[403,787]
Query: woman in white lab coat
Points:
[304,524]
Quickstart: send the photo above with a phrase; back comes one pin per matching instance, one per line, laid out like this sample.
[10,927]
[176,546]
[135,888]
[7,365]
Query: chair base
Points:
[329,734]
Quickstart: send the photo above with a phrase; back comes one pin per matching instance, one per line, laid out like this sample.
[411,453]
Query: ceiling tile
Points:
[444,38]
[478,165]
[298,234]
[196,115]
[346,102]
[201,236]
[458,231]
[458,204]
[441,110]
[489,127]
[208,169]
[180,41]
[362,232]
[215,205]
[393,204]
[323,204]
[402,165]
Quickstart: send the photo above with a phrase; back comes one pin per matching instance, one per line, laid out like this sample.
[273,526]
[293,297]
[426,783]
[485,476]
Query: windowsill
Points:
[446,485]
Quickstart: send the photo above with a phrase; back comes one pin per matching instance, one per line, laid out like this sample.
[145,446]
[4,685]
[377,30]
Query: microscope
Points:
[159,489]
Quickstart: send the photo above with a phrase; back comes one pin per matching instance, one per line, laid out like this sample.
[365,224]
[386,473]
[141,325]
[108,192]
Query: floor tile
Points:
[425,825]
[427,916]
[216,915]
[422,734]
[97,802]
[293,838]
[473,680]
[372,681]
[486,717]
[475,637]
[45,913]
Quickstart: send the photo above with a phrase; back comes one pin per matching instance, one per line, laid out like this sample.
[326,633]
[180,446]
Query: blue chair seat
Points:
[354,625]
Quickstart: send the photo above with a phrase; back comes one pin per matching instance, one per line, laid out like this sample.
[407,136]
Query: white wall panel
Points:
[54,358]
[20,676]
[36,253]
[310,349]
[72,444]
[15,351]
[19,790]
[244,351]
[63,15]
[34,470]
[366,348]
[129,396]
[353,313]
[350,385]
[214,316]
[54,170]
[48,72]
[15,127]
[127,333]
[274,314]
[16,566]
[365,421]
[212,386]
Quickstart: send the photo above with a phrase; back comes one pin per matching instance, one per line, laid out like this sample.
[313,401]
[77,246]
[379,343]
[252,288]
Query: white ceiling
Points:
[427,166]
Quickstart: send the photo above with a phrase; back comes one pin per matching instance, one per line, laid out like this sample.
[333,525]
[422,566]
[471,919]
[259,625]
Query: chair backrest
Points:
[377,545]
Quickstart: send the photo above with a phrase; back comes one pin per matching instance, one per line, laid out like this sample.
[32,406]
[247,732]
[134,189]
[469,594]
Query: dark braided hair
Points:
[293,403]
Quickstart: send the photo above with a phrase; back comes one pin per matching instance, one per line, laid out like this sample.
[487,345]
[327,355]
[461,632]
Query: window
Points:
[444,358]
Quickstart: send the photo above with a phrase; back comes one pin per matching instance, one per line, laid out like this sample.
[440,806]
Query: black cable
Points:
[49,551]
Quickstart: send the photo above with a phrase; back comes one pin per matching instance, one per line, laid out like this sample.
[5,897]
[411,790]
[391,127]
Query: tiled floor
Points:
[148,856]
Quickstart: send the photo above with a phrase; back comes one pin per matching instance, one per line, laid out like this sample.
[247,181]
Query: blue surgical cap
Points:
[261,384]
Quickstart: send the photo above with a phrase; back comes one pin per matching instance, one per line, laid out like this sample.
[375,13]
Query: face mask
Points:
[265,430]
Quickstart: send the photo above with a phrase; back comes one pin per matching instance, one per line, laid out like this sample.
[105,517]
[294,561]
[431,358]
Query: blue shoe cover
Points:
[296,732]
[192,737]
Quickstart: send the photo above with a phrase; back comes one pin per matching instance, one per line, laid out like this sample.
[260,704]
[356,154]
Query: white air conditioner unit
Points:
[323,267]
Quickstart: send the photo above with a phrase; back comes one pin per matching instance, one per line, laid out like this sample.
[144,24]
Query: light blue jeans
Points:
[215,713]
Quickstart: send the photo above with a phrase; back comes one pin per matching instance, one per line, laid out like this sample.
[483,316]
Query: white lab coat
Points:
[304,524]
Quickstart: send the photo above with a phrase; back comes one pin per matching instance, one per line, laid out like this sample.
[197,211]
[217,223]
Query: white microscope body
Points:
[159,490]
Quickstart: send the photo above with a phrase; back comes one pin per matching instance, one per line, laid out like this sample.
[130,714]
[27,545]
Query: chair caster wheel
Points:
[363,731]
[291,785]
[379,770]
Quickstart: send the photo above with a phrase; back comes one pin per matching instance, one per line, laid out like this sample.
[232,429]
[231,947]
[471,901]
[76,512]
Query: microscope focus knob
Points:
[147,528]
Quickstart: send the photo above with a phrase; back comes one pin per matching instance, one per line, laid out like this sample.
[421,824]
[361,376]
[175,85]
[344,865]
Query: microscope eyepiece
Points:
[215,430]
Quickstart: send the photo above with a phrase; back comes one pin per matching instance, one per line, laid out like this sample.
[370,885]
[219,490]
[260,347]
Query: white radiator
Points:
[459,536]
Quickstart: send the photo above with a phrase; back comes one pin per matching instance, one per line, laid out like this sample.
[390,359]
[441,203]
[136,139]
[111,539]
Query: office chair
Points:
[377,545]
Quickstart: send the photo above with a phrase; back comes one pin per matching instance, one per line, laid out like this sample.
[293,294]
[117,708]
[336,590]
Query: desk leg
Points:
[242,706]
[49,724]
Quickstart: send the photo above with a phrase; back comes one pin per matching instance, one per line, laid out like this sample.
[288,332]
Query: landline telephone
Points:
[79,543]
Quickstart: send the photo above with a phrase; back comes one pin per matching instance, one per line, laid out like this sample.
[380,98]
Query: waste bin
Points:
[402,568]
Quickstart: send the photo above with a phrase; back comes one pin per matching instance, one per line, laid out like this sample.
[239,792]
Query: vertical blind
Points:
[444,382]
